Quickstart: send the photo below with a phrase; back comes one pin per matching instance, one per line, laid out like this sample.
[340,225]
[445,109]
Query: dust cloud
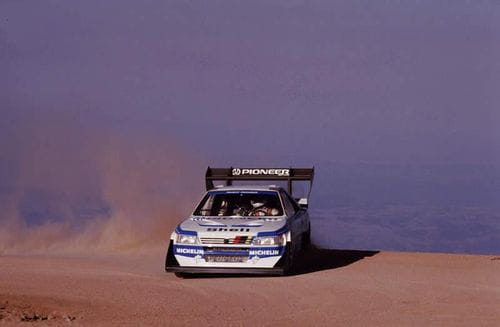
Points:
[73,188]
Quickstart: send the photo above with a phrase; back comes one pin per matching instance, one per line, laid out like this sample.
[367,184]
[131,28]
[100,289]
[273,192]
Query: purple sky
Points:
[371,81]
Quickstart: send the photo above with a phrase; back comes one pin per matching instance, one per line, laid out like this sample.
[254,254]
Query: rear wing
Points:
[259,174]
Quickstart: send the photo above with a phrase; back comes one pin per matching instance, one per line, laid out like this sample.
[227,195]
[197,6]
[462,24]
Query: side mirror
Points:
[303,203]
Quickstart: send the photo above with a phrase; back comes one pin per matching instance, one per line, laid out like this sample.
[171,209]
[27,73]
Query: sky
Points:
[277,82]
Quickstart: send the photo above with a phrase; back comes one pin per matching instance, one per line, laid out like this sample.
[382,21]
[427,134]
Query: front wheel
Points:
[306,239]
[289,260]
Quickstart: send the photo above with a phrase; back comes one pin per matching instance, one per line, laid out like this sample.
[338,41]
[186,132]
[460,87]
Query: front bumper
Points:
[172,265]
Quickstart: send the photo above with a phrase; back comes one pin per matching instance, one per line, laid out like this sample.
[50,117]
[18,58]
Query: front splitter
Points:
[225,270]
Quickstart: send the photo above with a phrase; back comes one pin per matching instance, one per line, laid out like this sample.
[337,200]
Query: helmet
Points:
[257,203]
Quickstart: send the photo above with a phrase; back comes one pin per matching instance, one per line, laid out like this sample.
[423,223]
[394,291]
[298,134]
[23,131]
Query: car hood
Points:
[229,226]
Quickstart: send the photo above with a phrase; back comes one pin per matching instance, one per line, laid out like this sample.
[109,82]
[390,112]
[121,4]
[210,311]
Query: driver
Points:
[260,208]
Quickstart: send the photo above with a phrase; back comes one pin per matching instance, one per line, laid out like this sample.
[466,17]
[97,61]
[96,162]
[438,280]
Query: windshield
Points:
[240,203]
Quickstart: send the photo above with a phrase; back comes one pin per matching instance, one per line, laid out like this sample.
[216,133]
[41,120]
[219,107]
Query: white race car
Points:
[243,229]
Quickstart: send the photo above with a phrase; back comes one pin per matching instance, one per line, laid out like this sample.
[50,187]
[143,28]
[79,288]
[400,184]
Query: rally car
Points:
[243,229]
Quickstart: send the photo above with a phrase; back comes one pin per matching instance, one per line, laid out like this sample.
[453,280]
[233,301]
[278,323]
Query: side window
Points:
[289,208]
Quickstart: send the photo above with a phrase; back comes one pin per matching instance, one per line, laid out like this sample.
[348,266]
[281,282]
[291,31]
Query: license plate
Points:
[225,258]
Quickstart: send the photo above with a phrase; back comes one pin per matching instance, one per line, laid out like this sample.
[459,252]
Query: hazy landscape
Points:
[432,207]
[429,208]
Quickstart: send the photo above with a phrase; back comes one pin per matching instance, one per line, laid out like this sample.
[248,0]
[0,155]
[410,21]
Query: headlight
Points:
[270,240]
[187,239]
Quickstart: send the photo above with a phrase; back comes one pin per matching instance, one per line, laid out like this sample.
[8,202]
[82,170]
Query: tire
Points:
[179,275]
[306,239]
[289,260]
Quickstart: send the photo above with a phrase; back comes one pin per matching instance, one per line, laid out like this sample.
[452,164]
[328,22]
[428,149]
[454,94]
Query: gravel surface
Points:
[333,287]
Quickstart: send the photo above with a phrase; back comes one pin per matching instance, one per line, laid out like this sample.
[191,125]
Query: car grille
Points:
[235,240]
[225,258]
[226,254]
[227,250]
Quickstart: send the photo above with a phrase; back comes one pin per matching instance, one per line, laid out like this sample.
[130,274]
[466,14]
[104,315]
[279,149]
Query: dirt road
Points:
[332,288]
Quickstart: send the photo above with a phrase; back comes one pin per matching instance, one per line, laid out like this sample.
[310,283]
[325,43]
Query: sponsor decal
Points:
[266,252]
[188,251]
[260,171]
[260,253]
[222,229]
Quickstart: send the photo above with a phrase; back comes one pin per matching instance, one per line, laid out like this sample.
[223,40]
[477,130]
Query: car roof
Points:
[247,188]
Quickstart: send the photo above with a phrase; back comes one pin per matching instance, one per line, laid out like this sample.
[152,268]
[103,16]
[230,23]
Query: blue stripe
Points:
[235,252]
[246,225]
[278,232]
[261,252]
[179,230]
